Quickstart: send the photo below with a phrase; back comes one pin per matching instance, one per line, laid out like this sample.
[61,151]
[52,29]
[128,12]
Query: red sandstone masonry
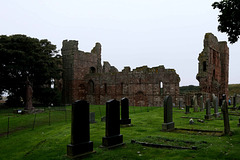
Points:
[85,78]
[213,66]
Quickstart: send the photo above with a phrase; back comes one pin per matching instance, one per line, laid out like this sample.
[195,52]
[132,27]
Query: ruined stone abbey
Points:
[84,77]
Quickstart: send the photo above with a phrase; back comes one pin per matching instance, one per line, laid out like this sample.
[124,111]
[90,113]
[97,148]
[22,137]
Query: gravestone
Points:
[221,100]
[216,114]
[225,118]
[208,110]
[187,109]
[80,131]
[201,104]
[195,105]
[103,119]
[180,104]
[112,132]
[168,124]
[92,117]
[234,101]
[125,112]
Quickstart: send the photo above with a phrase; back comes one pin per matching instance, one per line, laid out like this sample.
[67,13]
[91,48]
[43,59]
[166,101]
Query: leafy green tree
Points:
[229,19]
[23,58]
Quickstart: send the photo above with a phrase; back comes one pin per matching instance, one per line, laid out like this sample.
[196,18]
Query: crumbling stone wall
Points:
[213,66]
[85,78]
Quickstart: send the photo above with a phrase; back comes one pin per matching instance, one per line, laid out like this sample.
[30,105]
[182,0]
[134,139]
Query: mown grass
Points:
[50,141]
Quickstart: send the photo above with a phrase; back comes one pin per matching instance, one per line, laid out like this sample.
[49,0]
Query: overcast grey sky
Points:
[132,32]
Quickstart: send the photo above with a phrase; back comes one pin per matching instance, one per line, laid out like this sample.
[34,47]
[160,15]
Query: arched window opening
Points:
[161,88]
[92,70]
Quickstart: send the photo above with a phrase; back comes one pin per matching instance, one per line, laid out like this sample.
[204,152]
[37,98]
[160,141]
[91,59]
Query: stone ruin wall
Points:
[213,67]
[84,77]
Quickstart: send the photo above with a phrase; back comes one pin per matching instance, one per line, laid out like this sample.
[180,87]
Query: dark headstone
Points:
[234,101]
[103,119]
[125,112]
[112,135]
[187,109]
[168,124]
[92,117]
[80,130]
[208,110]
[225,118]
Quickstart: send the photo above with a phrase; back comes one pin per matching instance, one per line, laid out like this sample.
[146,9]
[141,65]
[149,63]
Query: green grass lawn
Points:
[50,141]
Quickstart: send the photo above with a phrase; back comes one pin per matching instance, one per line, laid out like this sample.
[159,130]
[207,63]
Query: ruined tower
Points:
[76,64]
[213,66]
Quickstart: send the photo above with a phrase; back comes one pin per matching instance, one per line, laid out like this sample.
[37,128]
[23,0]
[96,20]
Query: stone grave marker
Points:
[112,131]
[92,117]
[80,131]
[225,117]
[195,105]
[187,109]
[201,103]
[103,119]
[216,114]
[179,104]
[208,109]
[168,124]
[125,112]
[234,101]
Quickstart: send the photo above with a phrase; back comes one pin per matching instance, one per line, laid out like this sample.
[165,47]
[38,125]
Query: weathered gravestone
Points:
[92,117]
[125,112]
[187,109]
[208,109]
[180,104]
[103,119]
[195,105]
[112,132]
[168,124]
[201,104]
[216,114]
[80,131]
[225,118]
